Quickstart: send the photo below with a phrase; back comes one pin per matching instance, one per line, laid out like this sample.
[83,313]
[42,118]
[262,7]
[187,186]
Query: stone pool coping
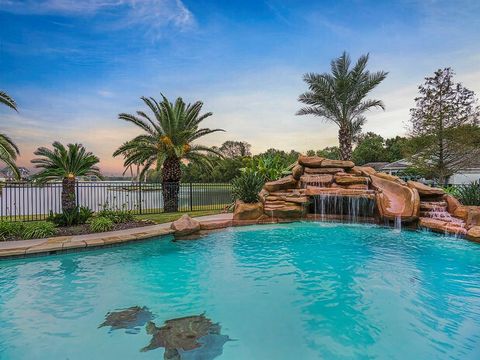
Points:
[75,243]
[61,244]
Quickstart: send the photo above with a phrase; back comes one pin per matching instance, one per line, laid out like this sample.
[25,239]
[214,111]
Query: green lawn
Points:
[167,217]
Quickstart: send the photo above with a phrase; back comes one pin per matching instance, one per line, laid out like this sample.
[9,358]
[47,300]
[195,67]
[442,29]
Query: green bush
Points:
[11,229]
[269,167]
[38,230]
[468,194]
[26,230]
[101,224]
[76,216]
[247,186]
[118,216]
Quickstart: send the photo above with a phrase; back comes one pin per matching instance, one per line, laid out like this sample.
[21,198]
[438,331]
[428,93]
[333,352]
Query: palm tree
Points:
[167,138]
[65,164]
[339,97]
[8,149]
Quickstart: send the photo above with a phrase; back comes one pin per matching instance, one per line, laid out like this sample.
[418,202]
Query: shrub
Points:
[101,224]
[468,194]
[76,216]
[37,230]
[11,229]
[269,167]
[247,186]
[117,216]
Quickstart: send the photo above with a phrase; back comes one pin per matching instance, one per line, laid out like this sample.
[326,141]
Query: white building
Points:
[464,176]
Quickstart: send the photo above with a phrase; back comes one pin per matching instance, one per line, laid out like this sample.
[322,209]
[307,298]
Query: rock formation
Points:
[185,226]
[333,181]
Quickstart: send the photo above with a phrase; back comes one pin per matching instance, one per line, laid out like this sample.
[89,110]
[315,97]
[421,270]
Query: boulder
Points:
[474,233]
[288,182]
[395,199]
[318,171]
[425,190]
[350,180]
[452,203]
[344,164]
[390,178]
[318,180]
[365,170]
[287,212]
[473,217]
[441,226]
[185,226]
[461,212]
[358,186]
[297,171]
[310,161]
[262,195]
[245,211]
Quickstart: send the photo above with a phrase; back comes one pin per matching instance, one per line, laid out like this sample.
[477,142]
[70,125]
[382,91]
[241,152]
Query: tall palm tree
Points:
[167,138]
[65,164]
[8,149]
[339,97]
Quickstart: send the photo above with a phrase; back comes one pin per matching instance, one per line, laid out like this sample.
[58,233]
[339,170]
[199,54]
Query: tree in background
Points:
[330,152]
[232,149]
[445,135]
[8,149]
[167,138]
[370,148]
[340,97]
[65,164]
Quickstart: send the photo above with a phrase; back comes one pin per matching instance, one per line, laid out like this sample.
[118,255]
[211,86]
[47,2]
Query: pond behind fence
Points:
[29,201]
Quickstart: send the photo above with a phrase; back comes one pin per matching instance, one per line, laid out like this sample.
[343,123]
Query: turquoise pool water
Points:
[293,291]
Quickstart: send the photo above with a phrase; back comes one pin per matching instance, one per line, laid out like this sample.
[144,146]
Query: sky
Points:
[72,66]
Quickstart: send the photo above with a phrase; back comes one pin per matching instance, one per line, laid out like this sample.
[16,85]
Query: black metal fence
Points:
[29,201]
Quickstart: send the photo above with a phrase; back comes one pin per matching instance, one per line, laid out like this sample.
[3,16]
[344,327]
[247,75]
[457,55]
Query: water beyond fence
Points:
[28,201]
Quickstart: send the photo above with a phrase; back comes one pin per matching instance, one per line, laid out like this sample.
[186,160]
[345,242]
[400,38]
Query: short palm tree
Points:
[8,149]
[65,164]
[167,139]
[339,97]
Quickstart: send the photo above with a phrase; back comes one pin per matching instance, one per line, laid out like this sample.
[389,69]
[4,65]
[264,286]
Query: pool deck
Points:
[60,244]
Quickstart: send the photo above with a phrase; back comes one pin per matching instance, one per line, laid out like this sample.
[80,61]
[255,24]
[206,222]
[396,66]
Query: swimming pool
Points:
[290,291]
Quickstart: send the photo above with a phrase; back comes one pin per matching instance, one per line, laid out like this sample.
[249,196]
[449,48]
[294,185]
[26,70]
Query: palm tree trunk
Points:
[345,143]
[68,194]
[171,175]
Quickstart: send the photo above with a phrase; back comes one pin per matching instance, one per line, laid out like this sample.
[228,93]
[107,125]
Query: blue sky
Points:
[74,65]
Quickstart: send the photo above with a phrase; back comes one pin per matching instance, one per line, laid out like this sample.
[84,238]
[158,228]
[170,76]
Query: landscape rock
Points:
[452,203]
[474,234]
[350,180]
[318,180]
[287,182]
[185,226]
[344,164]
[390,178]
[318,171]
[441,226]
[262,195]
[244,211]
[297,171]
[425,190]
[461,212]
[310,161]
[365,170]
[287,212]
[358,186]
[473,217]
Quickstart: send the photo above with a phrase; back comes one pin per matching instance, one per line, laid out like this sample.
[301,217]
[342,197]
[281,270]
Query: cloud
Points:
[152,15]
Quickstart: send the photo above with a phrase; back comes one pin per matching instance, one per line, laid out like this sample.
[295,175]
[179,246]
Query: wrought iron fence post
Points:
[191,197]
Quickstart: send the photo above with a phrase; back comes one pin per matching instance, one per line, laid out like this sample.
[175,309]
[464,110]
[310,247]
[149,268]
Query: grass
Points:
[167,217]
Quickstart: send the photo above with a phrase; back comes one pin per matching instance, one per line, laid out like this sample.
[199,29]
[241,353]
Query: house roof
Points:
[376,165]
[404,164]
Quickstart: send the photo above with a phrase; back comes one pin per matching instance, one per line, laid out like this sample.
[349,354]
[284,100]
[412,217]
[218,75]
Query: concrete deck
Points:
[54,245]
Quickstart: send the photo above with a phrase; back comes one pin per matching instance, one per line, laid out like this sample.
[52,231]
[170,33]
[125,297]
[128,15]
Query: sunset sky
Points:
[72,66]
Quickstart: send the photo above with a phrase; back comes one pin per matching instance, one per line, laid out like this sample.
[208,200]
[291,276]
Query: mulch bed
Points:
[85,228]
